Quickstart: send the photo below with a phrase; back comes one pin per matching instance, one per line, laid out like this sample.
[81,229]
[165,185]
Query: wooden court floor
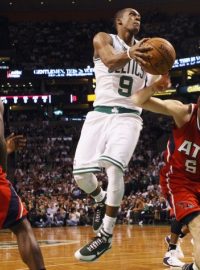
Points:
[134,248]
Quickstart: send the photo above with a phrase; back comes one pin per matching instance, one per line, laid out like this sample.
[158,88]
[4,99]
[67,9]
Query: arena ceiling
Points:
[53,5]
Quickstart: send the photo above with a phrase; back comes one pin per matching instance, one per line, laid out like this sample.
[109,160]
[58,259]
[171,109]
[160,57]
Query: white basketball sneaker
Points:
[179,252]
[170,259]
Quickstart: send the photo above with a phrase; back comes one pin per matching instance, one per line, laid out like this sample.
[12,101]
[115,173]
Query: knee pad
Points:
[115,190]
[86,181]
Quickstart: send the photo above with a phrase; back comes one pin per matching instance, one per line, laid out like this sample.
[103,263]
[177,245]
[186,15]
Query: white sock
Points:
[195,267]
[109,224]
[99,198]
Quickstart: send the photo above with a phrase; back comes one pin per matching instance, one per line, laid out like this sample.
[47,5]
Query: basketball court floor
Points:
[134,248]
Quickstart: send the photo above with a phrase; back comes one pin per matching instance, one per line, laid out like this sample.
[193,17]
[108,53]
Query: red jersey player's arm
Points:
[1,120]
[12,142]
[3,151]
[179,111]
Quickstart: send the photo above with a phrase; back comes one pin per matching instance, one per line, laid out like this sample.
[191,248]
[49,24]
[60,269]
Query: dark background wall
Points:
[4,33]
[90,12]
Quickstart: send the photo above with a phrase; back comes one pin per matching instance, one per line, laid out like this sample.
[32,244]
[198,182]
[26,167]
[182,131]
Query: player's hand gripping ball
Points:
[162,57]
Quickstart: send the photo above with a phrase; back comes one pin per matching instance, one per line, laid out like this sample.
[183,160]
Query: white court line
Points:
[49,244]
[51,265]
[67,264]
[46,259]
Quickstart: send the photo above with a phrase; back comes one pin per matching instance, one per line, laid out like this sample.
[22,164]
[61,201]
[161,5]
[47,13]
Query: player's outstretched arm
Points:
[114,60]
[179,111]
[142,96]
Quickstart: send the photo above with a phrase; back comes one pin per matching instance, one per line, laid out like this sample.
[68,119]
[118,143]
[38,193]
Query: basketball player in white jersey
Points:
[110,132]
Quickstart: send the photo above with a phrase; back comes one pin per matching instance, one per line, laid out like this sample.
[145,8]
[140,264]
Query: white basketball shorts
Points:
[110,137]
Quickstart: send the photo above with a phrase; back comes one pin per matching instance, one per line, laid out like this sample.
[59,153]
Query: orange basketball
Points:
[163,56]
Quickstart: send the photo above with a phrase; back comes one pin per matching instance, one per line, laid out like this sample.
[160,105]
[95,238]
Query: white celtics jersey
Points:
[115,88]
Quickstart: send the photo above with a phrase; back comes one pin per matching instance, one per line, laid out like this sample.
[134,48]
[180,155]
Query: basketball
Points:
[163,56]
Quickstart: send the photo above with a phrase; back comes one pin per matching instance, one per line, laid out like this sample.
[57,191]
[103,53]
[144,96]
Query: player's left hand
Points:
[141,53]
[15,142]
[162,83]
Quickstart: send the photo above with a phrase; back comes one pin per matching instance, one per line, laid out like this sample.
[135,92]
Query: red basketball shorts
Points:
[11,206]
[182,194]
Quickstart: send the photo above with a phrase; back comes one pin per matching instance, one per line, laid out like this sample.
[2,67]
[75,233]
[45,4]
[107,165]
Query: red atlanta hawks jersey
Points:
[183,149]
[2,175]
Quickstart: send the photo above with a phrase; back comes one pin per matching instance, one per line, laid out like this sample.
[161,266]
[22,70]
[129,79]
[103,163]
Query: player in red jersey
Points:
[12,212]
[180,176]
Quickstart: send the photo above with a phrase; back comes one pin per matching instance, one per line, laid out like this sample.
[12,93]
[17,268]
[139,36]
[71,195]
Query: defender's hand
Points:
[15,142]
[162,83]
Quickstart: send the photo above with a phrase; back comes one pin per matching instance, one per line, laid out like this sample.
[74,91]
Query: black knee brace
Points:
[176,227]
